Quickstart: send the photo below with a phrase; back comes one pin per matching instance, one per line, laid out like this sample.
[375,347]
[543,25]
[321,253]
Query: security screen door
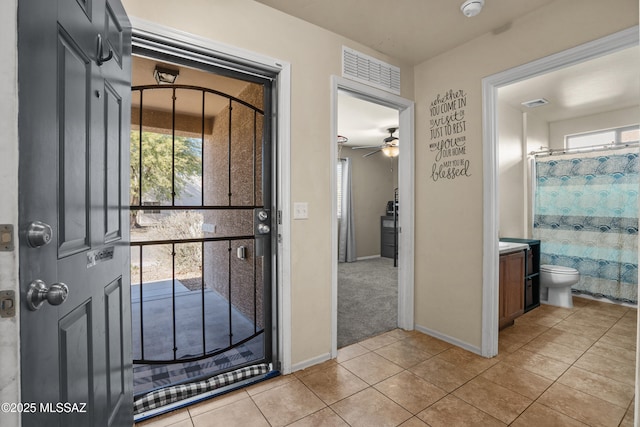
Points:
[74,95]
[201,218]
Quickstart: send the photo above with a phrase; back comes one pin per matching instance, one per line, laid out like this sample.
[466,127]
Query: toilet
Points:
[555,284]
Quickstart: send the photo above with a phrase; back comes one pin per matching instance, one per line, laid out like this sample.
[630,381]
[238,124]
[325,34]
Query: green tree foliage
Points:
[156,171]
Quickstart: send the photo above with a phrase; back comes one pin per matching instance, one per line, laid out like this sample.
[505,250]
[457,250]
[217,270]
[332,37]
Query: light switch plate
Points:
[300,210]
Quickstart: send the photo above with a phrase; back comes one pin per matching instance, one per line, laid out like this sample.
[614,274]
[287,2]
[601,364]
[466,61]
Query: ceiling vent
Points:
[535,103]
[371,71]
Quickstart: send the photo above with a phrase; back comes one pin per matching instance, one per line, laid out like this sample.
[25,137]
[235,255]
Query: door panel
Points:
[113,163]
[115,319]
[76,338]
[74,115]
[74,71]
[115,35]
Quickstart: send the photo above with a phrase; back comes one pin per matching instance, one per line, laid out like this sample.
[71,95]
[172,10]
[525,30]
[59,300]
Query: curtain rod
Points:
[612,146]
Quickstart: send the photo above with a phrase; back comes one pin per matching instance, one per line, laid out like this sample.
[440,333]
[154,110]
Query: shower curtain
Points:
[586,217]
[346,228]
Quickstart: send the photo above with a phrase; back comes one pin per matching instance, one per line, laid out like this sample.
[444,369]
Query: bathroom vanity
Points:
[532,271]
[519,278]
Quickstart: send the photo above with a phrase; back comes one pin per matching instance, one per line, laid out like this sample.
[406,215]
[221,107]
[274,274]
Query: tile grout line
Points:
[432,356]
[572,365]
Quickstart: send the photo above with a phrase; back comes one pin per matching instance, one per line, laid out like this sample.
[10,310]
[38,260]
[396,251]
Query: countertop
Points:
[509,247]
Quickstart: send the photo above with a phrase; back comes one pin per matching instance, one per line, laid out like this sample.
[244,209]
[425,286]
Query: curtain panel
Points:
[346,226]
[586,217]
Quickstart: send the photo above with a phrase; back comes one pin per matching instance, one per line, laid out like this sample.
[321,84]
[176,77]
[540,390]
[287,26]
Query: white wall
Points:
[9,327]
[314,55]
[612,119]
[373,183]
[537,135]
[449,213]
[511,176]
[449,219]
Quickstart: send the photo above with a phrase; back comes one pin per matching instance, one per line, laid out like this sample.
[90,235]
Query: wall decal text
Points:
[447,127]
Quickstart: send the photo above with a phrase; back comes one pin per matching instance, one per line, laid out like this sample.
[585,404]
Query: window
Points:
[619,136]
[630,135]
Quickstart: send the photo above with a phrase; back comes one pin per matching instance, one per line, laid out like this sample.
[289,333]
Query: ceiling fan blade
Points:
[367,146]
[372,153]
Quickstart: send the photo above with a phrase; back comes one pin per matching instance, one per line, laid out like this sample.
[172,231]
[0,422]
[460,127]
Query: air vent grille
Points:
[365,69]
[535,103]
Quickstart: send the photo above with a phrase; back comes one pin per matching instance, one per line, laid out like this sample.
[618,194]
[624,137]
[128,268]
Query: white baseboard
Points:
[310,362]
[360,258]
[450,340]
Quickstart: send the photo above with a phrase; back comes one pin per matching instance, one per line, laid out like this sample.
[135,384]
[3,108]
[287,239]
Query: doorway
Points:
[243,202]
[200,189]
[405,176]
[607,45]
[367,184]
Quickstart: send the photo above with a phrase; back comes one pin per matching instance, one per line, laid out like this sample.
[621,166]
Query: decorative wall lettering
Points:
[447,128]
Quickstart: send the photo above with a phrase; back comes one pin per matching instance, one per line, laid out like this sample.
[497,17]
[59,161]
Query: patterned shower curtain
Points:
[586,217]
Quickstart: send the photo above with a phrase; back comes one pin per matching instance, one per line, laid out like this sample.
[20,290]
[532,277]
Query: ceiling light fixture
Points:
[165,76]
[391,150]
[471,8]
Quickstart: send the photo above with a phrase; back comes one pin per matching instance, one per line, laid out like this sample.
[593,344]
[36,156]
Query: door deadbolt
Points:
[39,234]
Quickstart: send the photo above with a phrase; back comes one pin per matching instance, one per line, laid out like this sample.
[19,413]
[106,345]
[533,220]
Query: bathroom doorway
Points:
[402,170]
[492,86]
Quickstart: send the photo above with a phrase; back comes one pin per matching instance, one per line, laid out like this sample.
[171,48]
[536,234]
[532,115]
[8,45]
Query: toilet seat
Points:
[557,269]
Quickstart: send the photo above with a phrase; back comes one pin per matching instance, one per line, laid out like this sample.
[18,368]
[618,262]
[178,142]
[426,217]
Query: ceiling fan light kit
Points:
[389,148]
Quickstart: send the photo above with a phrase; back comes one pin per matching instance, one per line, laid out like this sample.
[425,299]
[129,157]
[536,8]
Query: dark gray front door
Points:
[74,83]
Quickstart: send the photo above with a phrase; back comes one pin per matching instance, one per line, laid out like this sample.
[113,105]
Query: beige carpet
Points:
[367,299]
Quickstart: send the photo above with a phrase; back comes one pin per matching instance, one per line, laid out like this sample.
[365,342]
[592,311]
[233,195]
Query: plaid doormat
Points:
[147,378]
[168,395]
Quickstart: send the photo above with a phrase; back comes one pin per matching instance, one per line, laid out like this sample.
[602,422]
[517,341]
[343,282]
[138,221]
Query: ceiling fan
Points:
[389,148]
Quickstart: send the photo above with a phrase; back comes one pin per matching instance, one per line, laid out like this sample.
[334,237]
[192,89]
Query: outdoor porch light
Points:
[165,75]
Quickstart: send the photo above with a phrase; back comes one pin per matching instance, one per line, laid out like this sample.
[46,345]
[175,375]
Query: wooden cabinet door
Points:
[514,292]
[511,288]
